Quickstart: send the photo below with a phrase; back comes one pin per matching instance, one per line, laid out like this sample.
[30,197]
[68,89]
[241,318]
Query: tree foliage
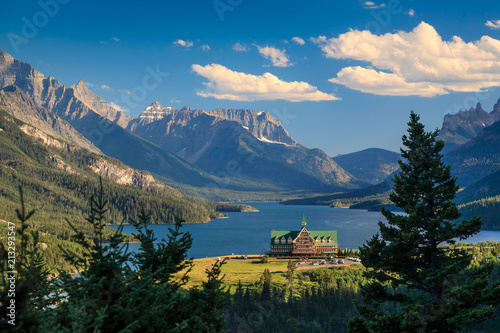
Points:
[115,290]
[428,287]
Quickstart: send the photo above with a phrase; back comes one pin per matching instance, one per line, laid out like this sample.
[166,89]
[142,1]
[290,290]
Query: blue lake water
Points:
[249,233]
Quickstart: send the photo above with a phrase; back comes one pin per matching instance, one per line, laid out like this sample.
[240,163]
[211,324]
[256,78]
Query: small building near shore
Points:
[304,242]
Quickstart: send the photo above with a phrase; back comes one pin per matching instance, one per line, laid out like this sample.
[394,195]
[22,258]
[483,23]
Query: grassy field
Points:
[247,271]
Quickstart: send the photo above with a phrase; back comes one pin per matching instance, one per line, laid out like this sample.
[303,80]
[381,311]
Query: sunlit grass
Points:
[247,271]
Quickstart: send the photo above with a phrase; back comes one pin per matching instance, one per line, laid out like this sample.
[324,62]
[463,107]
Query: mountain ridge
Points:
[463,126]
[253,140]
[371,165]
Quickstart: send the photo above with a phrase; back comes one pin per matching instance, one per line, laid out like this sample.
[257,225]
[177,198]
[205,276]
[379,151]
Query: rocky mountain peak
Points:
[155,111]
[99,105]
[461,127]
[7,58]
[155,106]
[81,84]
[496,109]
[261,124]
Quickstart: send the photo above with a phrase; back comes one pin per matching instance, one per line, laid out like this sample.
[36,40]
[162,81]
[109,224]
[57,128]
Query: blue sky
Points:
[340,75]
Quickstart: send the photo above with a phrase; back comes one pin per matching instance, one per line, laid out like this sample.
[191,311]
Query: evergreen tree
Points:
[266,281]
[24,277]
[110,296]
[290,274]
[434,286]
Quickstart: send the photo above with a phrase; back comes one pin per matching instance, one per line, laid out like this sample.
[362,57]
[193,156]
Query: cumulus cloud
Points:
[410,13]
[116,39]
[205,47]
[277,56]
[414,63]
[240,47]
[372,5]
[298,40]
[237,86]
[495,24]
[183,43]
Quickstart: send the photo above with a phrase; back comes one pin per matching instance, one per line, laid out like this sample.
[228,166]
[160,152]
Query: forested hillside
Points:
[58,180]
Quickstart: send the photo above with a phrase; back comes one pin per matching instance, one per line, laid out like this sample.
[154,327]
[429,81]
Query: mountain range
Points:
[230,154]
[472,149]
[251,144]
[203,153]
[461,127]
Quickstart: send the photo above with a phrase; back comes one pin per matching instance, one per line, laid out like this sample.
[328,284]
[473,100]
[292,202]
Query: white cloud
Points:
[277,56]
[495,24]
[380,83]
[117,107]
[372,5]
[240,47]
[173,100]
[298,40]
[106,87]
[237,86]
[186,44]
[414,63]
[410,13]
[113,39]
[205,47]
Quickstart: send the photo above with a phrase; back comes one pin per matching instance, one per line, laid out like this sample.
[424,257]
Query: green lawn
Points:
[247,271]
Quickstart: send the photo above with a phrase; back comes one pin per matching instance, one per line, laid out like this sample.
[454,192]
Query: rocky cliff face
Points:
[99,105]
[461,127]
[122,175]
[21,106]
[261,124]
[117,173]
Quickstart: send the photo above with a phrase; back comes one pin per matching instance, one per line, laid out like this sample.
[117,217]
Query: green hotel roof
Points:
[313,233]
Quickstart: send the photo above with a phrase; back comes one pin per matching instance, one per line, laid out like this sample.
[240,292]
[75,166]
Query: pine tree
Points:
[24,277]
[432,287]
[120,292]
[266,281]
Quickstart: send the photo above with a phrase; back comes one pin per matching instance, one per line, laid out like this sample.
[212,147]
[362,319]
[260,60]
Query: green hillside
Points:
[371,165]
[482,199]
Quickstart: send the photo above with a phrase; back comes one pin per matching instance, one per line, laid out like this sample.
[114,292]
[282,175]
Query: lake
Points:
[249,233]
